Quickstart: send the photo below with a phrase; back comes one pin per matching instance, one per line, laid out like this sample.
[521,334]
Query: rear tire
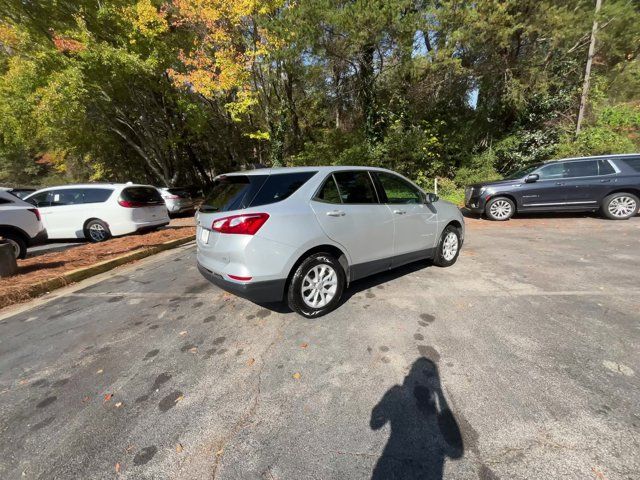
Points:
[96,231]
[448,247]
[620,206]
[316,286]
[18,243]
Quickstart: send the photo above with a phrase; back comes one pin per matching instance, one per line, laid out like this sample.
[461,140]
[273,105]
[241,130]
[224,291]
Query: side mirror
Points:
[534,177]
[431,198]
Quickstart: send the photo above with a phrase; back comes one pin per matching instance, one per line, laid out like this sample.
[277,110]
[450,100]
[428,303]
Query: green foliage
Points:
[89,90]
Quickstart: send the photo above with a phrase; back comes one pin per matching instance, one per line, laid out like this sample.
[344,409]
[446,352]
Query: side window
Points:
[633,163]
[605,168]
[67,196]
[553,170]
[96,195]
[329,192]
[398,190]
[355,187]
[40,199]
[586,168]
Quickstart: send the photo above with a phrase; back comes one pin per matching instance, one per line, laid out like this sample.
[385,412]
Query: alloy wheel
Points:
[621,207]
[500,209]
[450,246]
[97,232]
[319,286]
[15,246]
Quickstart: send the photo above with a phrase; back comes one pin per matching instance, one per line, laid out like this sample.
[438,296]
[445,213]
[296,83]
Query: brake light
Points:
[129,204]
[247,224]
[35,211]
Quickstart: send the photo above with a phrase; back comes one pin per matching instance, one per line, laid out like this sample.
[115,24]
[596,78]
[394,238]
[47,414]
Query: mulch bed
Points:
[32,271]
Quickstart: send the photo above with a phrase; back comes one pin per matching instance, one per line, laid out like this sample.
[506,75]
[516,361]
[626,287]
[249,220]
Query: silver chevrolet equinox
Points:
[307,232]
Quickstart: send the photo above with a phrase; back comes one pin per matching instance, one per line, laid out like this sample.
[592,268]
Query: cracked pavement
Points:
[521,361]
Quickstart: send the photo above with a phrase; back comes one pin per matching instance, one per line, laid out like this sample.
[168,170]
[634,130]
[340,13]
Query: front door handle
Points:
[605,181]
[560,183]
[399,212]
[336,213]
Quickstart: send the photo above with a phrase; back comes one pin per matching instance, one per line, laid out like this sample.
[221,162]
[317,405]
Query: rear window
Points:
[633,163]
[235,192]
[147,195]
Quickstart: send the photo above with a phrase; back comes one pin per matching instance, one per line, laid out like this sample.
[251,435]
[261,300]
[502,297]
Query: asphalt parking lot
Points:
[521,361]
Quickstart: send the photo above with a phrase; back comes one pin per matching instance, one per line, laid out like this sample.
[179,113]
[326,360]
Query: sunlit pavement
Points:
[521,361]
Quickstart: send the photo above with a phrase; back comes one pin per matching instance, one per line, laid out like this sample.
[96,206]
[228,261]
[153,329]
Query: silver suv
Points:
[305,233]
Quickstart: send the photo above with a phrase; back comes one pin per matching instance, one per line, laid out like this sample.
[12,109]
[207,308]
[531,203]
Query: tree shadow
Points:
[424,431]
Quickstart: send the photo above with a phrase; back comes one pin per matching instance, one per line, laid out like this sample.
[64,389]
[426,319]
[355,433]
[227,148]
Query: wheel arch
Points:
[632,190]
[324,248]
[15,230]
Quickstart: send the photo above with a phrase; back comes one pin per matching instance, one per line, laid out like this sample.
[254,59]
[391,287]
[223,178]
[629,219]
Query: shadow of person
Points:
[424,431]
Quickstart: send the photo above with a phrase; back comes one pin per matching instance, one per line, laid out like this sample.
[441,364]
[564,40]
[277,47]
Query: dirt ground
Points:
[45,267]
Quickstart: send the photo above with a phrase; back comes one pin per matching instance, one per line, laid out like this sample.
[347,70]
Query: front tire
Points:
[500,209]
[448,247]
[97,231]
[620,206]
[316,286]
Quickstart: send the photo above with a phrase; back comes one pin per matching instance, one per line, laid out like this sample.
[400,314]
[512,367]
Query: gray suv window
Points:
[329,192]
[633,163]
[355,187]
[397,190]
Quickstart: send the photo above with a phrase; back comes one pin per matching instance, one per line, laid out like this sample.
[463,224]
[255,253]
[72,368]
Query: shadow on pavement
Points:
[424,431]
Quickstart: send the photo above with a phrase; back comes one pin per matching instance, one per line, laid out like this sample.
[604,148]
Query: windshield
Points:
[522,172]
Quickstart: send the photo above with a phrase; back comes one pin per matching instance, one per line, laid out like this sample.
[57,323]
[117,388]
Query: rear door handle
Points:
[559,183]
[336,213]
[399,212]
[605,181]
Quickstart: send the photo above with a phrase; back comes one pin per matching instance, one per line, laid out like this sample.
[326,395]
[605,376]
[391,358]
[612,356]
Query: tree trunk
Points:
[587,73]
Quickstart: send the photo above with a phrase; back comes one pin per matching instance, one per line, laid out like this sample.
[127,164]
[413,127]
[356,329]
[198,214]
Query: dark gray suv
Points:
[609,184]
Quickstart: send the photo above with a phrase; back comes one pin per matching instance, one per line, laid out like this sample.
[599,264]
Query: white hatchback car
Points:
[20,223]
[99,211]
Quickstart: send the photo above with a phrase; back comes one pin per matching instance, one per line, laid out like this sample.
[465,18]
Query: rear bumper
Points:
[39,239]
[257,292]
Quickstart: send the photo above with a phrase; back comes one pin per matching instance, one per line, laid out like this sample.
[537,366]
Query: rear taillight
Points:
[35,211]
[247,224]
[129,204]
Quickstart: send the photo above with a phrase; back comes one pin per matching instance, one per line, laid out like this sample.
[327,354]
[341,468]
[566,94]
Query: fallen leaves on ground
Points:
[118,404]
[179,448]
[304,345]
[251,361]
[297,375]
[193,350]
[107,397]
[117,468]
[183,333]
[99,372]
[179,398]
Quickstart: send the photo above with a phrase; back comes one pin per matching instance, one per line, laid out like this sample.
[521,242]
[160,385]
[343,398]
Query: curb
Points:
[79,274]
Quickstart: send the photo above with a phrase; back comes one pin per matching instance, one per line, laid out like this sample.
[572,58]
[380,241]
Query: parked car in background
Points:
[20,192]
[20,223]
[305,233]
[181,199]
[609,184]
[99,211]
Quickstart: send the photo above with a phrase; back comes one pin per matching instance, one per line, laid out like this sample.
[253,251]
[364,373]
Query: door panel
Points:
[348,211]
[549,192]
[587,182]
[415,223]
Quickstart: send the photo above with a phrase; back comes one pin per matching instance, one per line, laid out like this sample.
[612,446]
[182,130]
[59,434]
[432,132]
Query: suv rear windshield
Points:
[235,192]
[148,195]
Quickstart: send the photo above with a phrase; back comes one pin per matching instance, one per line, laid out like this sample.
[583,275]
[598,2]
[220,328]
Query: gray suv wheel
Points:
[316,286]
